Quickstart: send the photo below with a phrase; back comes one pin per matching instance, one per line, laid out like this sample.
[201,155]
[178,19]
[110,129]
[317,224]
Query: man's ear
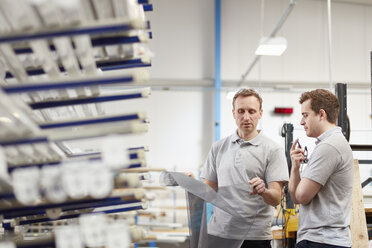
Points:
[323,114]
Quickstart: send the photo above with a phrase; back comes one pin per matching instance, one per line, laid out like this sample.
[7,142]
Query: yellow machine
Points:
[291,223]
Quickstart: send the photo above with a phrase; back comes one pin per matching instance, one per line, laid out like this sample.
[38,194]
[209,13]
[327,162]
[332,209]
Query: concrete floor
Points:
[185,244]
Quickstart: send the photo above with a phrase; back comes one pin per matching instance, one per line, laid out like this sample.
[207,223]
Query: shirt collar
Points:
[328,133]
[255,141]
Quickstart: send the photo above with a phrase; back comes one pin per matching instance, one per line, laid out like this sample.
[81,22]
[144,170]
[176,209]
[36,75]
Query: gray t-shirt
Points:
[326,218]
[231,163]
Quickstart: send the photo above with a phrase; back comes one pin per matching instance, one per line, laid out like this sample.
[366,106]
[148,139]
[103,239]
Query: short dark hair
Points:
[247,92]
[323,99]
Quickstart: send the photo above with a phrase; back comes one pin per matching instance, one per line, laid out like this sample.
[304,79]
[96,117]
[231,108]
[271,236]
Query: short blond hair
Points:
[244,92]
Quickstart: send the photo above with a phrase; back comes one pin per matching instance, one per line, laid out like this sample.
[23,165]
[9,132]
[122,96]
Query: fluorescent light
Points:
[271,46]
[5,119]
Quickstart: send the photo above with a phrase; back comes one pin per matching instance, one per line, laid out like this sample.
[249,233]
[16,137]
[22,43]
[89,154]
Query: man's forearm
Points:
[271,197]
[212,184]
[294,180]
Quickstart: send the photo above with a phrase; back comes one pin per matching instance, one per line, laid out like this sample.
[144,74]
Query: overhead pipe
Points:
[273,33]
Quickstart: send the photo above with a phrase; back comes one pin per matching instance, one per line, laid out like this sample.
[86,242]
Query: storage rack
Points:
[54,57]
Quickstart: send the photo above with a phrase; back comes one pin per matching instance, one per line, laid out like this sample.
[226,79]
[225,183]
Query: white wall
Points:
[182,119]
[184,40]
[183,44]
[306,58]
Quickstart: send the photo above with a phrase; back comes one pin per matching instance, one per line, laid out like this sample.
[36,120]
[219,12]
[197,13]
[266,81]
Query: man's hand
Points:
[258,186]
[297,155]
[190,174]
[270,195]
[212,184]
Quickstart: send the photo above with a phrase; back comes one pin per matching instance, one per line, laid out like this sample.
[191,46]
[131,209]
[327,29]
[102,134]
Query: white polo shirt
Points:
[232,163]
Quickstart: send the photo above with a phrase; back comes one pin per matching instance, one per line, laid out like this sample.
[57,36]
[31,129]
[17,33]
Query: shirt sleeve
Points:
[277,167]
[209,171]
[322,164]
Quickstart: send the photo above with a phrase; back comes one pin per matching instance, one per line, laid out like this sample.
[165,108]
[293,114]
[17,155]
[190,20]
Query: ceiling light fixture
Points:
[271,46]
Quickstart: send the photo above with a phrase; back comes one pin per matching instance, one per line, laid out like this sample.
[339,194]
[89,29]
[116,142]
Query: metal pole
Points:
[341,93]
[330,44]
[273,33]
[217,71]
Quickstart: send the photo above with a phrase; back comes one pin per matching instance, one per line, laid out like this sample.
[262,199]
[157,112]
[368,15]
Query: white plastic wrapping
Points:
[68,237]
[93,228]
[26,185]
[198,193]
[51,184]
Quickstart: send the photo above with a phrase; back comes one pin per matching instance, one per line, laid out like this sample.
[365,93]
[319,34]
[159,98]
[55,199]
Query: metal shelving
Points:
[56,57]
